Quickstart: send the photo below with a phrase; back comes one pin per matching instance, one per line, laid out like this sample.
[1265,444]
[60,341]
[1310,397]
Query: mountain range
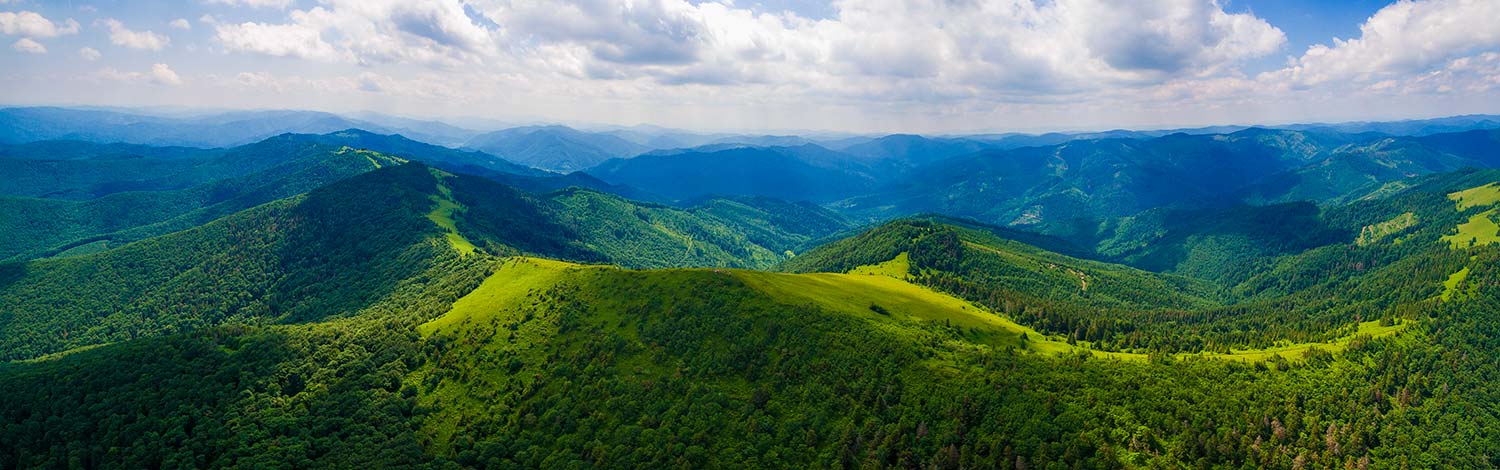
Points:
[548,297]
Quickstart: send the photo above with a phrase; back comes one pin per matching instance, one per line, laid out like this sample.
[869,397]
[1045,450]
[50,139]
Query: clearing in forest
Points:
[1486,195]
[1480,230]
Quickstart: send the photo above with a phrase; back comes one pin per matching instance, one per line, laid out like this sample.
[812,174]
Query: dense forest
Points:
[343,307]
[692,368]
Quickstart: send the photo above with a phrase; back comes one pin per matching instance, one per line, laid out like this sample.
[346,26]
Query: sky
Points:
[930,66]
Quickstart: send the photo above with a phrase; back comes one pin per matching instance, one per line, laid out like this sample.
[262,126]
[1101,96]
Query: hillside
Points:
[1069,189]
[433,155]
[331,252]
[742,233]
[547,363]
[300,301]
[45,227]
[1223,245]
[263,264]
[1283,274]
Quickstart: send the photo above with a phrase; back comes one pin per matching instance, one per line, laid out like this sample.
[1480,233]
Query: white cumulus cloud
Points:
[181,23]
[282,4]
[1401,39]
[160,74]
[119,35]
[370,31]
[29,46]
[1015,46]
[32,24]
[88,53]
[280,40]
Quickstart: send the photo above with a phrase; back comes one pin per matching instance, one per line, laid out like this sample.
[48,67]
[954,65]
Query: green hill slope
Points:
[547,364]
[329,253]
[46,227]
[381,322]
[342,246]
[740,233]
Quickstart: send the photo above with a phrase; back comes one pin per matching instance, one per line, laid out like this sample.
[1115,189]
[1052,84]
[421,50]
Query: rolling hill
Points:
[1069,189]
[322,305]
[331,252]
[356,237]
[48,227]
[536,363]
[433,155]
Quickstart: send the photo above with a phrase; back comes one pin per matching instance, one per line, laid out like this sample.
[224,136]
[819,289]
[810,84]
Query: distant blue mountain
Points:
[781,172]
[555,148]
[1415,127]
[21,125]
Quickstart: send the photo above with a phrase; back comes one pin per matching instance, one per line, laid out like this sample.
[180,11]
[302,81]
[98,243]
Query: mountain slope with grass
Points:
[324,254]
[341,246]
[546,363]
[400,315]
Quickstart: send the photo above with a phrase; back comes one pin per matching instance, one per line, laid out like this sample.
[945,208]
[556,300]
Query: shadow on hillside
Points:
[11,272]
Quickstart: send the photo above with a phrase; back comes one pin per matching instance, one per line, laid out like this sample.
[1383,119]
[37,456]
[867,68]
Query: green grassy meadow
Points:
[1480,196]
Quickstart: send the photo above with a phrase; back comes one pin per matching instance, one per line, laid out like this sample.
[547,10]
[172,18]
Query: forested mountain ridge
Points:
[40,227]
[779,172]
[366,310]
[273,262]
[1271,270]
[1069,189]
[546,364]
[331,252]
[433,155]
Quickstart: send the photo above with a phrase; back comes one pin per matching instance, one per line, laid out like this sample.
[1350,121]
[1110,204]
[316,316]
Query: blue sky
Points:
[864,66]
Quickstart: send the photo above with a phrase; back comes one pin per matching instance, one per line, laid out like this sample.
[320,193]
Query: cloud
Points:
[119,35]
[947,47]
[88,53]
[31,24]
[160,74]
[181,23]
[279,40]
[28,46]
[1401,39]
[1169,37]
[889,64]
[930,47]
[438,32]
[280,4]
